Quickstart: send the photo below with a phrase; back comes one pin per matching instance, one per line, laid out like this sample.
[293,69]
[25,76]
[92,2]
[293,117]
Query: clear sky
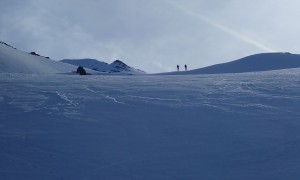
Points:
[152,35]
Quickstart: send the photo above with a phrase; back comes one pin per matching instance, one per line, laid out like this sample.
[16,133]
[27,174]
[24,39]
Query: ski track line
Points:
[114,99]
[65,98]
[91,90]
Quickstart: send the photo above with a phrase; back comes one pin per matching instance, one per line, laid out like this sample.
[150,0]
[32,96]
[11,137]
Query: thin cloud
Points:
[222,27]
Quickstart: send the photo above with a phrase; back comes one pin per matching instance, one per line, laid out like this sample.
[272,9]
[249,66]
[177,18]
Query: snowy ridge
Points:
[116,67]
[253,63]
[16,61]
[7,44]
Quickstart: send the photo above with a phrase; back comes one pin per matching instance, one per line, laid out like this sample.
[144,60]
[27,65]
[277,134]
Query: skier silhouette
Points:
[177,67]
[185,67]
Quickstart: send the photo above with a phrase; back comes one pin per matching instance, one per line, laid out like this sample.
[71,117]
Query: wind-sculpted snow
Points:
[150,127]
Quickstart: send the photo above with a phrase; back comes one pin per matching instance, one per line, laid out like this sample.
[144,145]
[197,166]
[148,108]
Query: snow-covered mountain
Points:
[117,66]
[253,63]
[16,61]
[13,60]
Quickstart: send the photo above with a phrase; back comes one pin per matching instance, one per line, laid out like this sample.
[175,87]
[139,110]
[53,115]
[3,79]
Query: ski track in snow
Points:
[65,98]
[91,90]
[114,99]
[101,93]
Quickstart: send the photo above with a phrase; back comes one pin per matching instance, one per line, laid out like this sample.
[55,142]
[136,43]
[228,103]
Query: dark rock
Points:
[7,44]
[33,53]
[81,70]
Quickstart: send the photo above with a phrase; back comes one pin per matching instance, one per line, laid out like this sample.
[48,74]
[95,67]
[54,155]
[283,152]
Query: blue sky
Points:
[153,35]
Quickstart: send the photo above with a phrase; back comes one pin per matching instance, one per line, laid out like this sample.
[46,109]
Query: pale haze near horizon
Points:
[154,35]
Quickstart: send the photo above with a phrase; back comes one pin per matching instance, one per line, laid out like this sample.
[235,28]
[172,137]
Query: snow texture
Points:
[150,127]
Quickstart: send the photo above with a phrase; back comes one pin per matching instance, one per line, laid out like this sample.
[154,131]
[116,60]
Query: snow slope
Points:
[115,67]
[16,61]
[150,127]
[253,63]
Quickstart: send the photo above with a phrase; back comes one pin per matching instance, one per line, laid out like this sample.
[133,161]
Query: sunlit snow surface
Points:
[240,126]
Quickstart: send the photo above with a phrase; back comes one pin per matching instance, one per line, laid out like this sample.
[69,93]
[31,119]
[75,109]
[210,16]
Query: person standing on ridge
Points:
[177,67]
[185,67]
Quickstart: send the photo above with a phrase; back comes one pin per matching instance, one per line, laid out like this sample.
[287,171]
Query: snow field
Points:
[243,126]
